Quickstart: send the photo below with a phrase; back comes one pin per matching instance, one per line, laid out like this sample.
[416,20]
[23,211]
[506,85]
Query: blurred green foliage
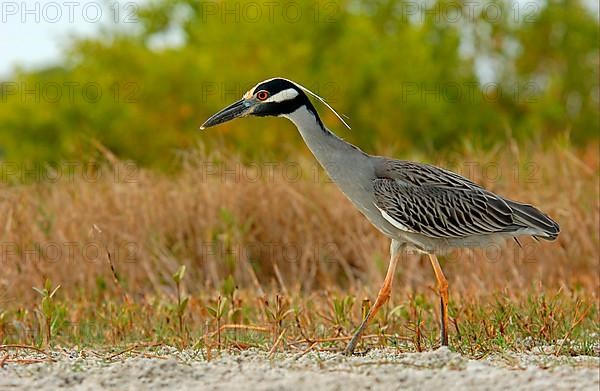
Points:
[406,78]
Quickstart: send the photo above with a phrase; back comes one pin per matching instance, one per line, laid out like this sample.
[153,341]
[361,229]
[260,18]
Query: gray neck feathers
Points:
[343,161]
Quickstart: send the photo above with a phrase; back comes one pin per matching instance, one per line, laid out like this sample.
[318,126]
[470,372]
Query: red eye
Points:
[262,95]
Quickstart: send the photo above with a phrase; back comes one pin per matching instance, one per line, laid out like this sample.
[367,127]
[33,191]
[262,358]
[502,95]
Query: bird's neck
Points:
[337,156]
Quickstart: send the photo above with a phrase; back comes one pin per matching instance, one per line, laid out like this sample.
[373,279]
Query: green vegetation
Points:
[557,322]
[408,79]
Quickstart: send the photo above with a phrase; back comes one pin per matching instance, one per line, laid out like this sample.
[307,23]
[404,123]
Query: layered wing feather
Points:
[438,203]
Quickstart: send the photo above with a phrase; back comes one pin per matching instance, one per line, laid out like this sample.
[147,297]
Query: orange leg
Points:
[443,289]
[382,297]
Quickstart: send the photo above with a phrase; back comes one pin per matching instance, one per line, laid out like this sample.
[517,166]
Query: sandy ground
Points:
[254,370]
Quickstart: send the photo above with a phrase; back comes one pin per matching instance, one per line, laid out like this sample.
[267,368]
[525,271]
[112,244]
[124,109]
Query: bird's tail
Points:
[536,222]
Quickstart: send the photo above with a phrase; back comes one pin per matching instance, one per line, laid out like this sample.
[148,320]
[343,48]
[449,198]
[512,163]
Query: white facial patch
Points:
[281,96]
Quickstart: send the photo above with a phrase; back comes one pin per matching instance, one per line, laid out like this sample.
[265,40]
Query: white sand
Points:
[253,370]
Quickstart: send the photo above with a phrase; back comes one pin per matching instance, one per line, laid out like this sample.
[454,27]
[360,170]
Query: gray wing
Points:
[441,204]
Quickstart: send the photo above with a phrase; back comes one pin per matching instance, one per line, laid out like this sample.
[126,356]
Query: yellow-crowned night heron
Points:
[416,205]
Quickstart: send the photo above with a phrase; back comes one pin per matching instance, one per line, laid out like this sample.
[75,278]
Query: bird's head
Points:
[273,97]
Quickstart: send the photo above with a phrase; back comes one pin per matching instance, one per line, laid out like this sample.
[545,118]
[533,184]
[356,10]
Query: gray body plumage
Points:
[418,205]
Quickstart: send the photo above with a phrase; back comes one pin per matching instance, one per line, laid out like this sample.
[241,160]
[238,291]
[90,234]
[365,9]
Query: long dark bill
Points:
[233,111]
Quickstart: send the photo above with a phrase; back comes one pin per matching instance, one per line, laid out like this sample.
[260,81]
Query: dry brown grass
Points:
[303,237]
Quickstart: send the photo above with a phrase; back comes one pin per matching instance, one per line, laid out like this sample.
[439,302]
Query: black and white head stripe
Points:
[281,90]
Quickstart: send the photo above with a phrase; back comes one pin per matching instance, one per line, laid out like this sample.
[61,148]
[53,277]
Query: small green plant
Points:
[342,308]
[217,313]
[182,302]
[277,314]
[53,313]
